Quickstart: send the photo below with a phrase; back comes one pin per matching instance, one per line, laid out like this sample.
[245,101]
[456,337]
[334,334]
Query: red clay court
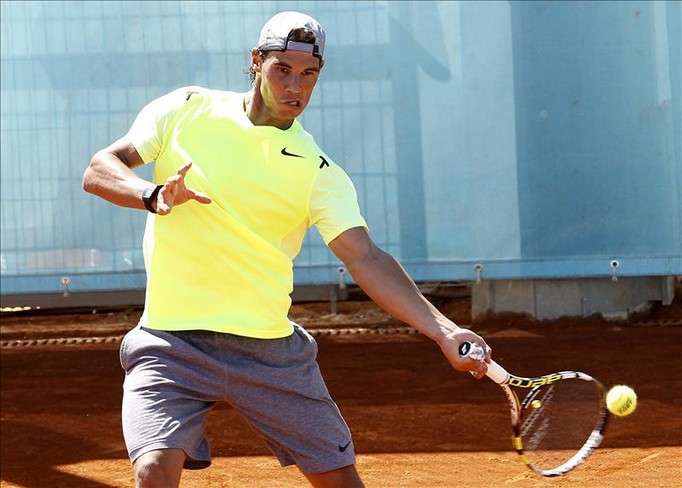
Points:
[416,422]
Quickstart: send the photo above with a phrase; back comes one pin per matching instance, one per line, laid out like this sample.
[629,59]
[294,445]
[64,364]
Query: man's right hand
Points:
[450,344]
[174,192]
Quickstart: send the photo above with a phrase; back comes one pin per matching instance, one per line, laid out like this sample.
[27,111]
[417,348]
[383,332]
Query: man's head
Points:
[287,62]
[290,31]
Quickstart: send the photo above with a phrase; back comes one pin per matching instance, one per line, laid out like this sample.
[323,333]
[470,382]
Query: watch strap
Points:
[149,195]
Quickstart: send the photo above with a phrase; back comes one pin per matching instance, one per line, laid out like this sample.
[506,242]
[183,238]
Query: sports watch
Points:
[149,195]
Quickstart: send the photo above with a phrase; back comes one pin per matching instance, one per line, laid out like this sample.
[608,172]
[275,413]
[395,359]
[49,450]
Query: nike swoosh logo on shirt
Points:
[343,448]
[287,153]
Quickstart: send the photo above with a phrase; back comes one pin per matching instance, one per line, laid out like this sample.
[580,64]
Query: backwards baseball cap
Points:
[275,34]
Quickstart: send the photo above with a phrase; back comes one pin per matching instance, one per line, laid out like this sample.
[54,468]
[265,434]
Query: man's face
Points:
[287,82]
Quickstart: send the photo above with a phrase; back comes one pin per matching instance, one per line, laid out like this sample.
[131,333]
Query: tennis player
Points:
[237,182]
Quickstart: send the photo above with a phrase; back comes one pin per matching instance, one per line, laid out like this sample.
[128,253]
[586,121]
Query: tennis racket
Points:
[559,422]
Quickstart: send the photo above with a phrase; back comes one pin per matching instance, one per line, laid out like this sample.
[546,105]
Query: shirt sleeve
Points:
[334,203]
[147,132]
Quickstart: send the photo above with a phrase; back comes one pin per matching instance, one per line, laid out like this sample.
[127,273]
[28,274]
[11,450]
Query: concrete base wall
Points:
[552,299]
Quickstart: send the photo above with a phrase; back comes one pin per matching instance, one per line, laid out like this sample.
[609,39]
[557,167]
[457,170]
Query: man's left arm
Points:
[387,283]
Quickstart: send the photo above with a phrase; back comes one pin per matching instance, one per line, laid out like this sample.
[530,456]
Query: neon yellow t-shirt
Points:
[228,266]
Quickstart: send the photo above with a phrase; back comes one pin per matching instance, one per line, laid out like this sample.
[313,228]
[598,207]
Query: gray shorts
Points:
[173,379]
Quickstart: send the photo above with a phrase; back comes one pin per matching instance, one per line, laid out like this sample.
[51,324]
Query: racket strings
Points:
[557,420]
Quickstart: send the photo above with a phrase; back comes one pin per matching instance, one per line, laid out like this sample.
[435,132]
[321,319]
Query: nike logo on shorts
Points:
[343,448]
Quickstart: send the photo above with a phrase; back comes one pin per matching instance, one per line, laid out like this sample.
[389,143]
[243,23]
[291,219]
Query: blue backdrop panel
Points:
[519,139]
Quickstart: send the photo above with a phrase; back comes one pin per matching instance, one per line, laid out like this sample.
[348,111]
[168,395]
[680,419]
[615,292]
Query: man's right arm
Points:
[111,176]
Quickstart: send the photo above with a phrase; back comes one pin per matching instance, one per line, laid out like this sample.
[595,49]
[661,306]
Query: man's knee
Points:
[159,469]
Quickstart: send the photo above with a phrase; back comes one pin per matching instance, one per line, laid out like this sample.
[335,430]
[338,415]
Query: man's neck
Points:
[256,110]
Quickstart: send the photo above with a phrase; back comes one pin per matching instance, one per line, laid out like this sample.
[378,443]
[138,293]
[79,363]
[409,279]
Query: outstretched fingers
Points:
[174,192]
[191,194]
[182,171]
[198,196]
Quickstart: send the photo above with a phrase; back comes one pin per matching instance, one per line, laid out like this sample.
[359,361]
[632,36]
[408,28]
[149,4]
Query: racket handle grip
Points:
[495,372]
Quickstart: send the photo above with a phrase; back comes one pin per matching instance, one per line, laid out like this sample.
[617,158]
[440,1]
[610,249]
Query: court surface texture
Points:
[415,421]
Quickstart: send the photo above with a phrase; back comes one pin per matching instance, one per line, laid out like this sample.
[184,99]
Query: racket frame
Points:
[517,406]
[507,380]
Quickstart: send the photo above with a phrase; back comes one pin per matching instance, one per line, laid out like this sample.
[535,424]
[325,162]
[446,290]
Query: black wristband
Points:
[149,195]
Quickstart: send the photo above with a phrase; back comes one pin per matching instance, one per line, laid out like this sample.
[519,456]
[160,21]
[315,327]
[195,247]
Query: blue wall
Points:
[598,128]
[535,139]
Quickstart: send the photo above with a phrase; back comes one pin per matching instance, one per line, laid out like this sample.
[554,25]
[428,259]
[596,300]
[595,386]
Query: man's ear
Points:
[256,60]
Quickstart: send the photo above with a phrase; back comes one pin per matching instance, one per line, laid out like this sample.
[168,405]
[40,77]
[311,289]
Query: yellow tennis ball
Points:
[621,400]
